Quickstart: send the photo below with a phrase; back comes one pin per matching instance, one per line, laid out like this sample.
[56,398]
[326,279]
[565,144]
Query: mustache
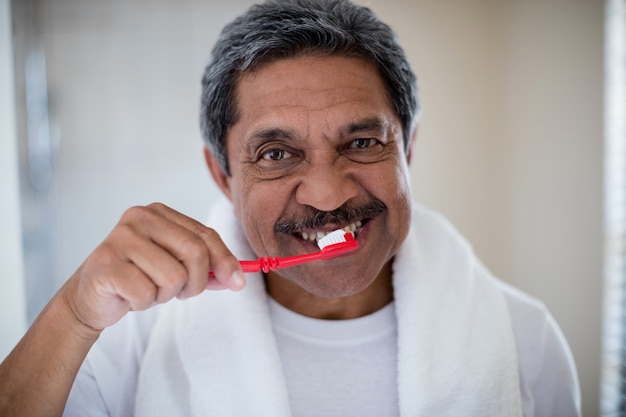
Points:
[311,218]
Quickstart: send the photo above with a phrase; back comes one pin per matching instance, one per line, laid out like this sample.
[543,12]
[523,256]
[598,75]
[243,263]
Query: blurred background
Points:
[101,106]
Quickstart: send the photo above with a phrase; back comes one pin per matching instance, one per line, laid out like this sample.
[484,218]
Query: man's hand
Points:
[151,256]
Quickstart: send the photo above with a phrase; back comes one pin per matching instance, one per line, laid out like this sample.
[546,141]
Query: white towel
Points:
[215,354]
[456,347]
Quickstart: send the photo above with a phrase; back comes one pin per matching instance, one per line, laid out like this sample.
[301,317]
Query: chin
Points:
[331,284]
[332,291]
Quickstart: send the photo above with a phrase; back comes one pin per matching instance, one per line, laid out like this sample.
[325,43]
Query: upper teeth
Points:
[313,236]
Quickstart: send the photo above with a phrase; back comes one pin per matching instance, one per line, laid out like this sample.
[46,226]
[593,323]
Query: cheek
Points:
[258,206]
[404,182]
[391,185]
[404,197]
[403,179]
[391,182]
[235,197]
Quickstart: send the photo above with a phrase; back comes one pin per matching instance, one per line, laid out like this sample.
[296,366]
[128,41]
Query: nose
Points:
[326,187]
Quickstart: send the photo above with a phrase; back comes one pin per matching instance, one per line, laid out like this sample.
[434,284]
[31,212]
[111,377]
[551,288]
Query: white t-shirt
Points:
[344,368]
[339,367]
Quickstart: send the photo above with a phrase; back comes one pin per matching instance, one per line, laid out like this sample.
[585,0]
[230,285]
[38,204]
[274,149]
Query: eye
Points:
[362,143]
[365,150]
[276,155]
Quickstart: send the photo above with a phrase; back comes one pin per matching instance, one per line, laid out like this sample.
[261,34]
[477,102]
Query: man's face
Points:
[317,135]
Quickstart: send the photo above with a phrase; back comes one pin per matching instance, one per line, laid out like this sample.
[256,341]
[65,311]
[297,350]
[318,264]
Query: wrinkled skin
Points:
[318,134]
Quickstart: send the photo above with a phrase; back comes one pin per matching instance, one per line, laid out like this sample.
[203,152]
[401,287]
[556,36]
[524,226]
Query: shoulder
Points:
[548,378]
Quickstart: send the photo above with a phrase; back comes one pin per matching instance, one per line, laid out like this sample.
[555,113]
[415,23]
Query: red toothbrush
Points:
[333,244]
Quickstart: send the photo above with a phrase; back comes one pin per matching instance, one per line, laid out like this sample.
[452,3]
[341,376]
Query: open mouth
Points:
[315,236]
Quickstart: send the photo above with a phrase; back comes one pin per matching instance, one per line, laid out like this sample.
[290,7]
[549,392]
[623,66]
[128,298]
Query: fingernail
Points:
[238,279]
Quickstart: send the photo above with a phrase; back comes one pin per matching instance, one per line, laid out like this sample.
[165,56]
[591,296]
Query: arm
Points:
[36,377]
[153,255]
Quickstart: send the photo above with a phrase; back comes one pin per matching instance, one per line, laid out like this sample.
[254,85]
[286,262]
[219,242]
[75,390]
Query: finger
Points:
[170,231]
[225,265]
[214,285]
[167,272]
[134,287]
[107,288]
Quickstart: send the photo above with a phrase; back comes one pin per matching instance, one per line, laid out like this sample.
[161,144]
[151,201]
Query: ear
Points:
[219,176]
[409,149]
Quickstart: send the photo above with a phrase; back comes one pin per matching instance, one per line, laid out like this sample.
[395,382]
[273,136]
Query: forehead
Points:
[312,84]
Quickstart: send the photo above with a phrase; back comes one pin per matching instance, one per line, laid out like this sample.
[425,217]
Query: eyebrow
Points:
[267,134]
[370,124]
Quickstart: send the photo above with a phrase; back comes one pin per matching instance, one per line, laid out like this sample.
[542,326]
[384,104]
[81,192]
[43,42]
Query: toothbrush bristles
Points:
[332,238]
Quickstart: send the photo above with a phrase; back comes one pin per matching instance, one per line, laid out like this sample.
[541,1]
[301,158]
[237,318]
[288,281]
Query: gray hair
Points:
[280,29]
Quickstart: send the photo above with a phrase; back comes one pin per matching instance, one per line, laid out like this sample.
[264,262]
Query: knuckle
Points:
[104,254]
[123,232]
[156,206]
[176,278]
[211,239]
[193,290]
[145,298]
[194,248]
[206,233]
[136,213]
[148,212]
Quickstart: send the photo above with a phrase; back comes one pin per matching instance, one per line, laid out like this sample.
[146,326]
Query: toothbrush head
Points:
[333,244]
[337,243]
[332,238]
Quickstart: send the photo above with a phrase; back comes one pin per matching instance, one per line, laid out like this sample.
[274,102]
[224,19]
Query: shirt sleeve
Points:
[548,378]
[85,398]
[555,384]
[107,380]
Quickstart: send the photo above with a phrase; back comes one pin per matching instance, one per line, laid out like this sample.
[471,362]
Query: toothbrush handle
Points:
[261,264]
[269,263]
[252,266]
[247,266]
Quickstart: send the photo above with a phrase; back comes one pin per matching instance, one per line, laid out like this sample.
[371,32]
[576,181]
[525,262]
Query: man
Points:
[309,112]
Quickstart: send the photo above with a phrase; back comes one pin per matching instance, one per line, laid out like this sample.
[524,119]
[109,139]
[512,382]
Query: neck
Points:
[376,296]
